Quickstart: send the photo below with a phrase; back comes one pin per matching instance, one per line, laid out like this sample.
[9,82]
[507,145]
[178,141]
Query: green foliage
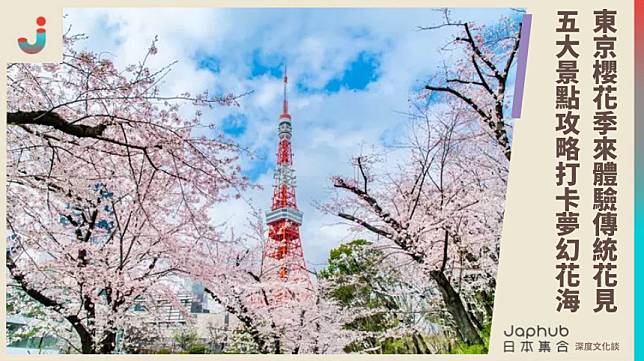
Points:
[336,266]
[353,268]
[463,348]
[197,348]
[394,346]
[188,340]
[357,278]
[164,351]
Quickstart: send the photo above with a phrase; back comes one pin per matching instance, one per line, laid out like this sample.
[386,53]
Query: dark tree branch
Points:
[464,98]
[364,176]
[366,225]
[55,121]
[244,317]
[515,49]
[445,244]
[477,50]
[483,81]
[461,81]
[386,217]
[74,320]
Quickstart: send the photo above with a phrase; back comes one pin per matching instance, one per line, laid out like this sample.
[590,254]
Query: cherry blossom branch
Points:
[55,121]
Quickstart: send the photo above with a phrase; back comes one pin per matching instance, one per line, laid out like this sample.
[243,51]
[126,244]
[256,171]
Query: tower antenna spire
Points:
[285,105]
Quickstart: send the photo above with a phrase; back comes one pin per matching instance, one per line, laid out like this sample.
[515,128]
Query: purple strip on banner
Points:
[522,62]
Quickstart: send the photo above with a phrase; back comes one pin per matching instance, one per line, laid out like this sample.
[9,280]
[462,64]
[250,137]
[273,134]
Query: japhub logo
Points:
[41,37]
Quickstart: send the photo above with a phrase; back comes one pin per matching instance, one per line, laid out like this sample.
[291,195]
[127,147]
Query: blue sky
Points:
[351,74]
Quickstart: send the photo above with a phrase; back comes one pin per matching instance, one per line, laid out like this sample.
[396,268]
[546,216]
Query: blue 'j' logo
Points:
[41,36]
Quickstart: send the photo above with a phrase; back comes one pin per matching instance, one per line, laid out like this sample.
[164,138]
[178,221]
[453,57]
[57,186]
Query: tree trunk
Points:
[420,343]
[108,344]
[416,345]
[475,320]
[464,326]
[87,342]
[488,302]
[86,339]
[277,345]
[87,346]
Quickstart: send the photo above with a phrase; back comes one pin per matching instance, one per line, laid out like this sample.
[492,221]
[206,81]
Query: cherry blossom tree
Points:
[480,76]
[277,316]
[441,205]
[394,311]
[109,184]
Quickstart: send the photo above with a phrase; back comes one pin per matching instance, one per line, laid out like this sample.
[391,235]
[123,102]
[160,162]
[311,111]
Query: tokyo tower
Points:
[283,258]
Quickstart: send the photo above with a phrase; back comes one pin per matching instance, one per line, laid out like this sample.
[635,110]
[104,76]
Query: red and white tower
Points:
[283,259]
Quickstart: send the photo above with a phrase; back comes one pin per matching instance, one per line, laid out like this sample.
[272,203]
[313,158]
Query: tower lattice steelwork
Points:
[283,258]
